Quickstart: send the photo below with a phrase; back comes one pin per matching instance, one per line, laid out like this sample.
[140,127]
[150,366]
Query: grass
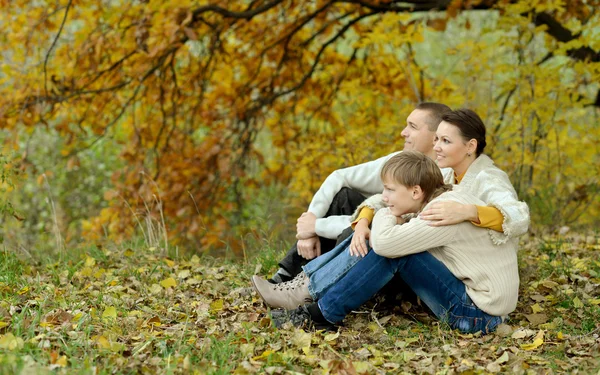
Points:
[127,309]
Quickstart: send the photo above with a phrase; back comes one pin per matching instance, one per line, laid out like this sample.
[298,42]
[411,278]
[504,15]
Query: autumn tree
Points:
[210,102]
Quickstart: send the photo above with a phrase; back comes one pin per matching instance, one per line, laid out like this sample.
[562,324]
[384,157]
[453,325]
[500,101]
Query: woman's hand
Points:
[358,246]
[447,213]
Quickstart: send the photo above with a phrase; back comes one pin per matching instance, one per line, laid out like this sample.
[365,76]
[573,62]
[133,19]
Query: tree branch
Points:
[68,6]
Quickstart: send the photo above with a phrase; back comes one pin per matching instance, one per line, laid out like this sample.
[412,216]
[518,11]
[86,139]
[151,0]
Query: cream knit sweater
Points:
[489,271]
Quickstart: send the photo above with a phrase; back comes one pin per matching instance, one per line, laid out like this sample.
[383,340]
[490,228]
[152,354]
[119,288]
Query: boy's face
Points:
[401,199]
[417,135]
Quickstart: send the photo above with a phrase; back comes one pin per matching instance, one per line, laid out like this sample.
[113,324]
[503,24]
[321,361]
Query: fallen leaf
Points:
[168,282]
[216,305]
[503,358]
[536,308]
[90,262]
[10,342]
[537,342]
[536,319]
[493,367]
[301,339]
[109,313]
[577,303]
[504,330]
[522,333]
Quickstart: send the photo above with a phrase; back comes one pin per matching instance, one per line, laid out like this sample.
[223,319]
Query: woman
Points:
[460,143]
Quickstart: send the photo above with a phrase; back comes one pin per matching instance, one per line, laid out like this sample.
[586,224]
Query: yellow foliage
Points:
[210,106]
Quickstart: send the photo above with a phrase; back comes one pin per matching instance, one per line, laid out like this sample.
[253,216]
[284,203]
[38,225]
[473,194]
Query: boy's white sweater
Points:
[489,271]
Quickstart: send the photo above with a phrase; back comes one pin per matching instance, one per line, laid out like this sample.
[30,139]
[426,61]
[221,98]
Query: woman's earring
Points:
[468,154]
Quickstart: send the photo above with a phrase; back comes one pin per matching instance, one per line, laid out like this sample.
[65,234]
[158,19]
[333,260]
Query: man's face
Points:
[417,135]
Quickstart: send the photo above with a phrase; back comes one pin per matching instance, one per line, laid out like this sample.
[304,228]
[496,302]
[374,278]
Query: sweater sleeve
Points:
[393,240]
[363,177]
[489,217]
[365,213]
[496,191]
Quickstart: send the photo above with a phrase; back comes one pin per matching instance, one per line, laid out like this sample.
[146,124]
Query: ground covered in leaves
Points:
[133,310]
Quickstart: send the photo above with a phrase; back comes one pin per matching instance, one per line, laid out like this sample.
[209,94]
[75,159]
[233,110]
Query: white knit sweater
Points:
[363,177]
[492,186]
[489,271]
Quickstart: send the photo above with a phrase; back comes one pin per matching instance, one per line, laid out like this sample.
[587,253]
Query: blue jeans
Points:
[429,278]
[329,268]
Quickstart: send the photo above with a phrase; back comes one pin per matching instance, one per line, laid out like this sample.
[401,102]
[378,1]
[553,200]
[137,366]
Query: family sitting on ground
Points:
[448,230]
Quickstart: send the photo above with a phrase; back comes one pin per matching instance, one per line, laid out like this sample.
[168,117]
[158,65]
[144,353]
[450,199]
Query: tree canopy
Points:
[210,101]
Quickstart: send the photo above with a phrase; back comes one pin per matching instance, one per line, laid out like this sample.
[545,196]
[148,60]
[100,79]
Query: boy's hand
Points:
[358,245]
[309,248]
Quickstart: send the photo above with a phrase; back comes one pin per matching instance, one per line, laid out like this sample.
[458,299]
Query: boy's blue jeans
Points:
[329,268]
[429,278]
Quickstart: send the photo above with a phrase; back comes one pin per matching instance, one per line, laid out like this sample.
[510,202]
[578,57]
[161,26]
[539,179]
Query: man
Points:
[328,214]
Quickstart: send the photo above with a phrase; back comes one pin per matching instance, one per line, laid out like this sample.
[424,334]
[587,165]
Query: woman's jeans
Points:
[327,269]
[429,278]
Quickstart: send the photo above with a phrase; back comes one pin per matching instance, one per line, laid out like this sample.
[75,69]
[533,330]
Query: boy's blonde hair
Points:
[411,168]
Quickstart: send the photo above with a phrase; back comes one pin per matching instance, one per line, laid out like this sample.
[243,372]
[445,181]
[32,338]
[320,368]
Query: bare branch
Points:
[68,6]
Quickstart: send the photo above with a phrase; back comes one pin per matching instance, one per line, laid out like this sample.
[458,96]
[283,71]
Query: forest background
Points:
[204,125]
[155,154]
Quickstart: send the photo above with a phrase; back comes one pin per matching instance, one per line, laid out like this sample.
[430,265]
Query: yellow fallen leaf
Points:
[86,272]
[109,313]
[24,290]
[104,343]
[90,262]
[594,301]
[10,342]
[301,338]
[332,336]
[560,335]
[537,342]
[168,282]
[216,305]
[264,355]
[128,253]
[3,324]
[169,262]
[534,345]
[536,308]
[577,303]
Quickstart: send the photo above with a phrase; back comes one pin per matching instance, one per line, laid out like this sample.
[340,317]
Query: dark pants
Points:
[345,202]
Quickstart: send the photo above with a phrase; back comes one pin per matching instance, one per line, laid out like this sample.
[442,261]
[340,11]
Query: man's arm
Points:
[364,178]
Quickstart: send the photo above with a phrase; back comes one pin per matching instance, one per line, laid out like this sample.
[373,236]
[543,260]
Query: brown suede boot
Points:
[287,295]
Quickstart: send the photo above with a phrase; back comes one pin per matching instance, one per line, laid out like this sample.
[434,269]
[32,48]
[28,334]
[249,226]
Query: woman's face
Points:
[451,150]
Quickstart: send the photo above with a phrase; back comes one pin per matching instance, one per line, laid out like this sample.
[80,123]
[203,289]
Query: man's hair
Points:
[435,112]
[470,126]
[411,168]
